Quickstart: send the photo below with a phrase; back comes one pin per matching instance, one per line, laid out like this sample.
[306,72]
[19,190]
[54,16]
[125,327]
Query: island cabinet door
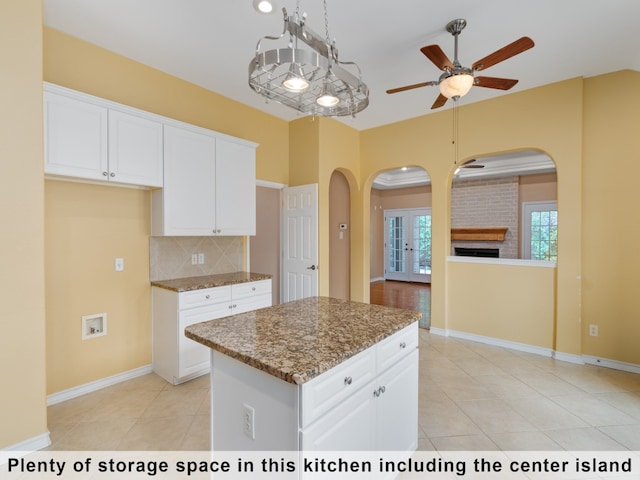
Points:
[397,406]
[350,426]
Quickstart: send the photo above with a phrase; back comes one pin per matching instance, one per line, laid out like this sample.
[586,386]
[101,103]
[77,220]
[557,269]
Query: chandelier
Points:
[306,75]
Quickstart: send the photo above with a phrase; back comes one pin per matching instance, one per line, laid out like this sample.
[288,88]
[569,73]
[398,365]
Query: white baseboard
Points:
[547,352]
[569,357]
[27,446]
[377,279]
[603,362]
[496,342]
[97,385]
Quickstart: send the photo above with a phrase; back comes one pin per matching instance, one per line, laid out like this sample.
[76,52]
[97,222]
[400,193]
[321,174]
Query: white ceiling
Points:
[210,42]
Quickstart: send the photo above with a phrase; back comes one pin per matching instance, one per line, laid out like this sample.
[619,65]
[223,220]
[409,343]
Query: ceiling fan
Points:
[456,81]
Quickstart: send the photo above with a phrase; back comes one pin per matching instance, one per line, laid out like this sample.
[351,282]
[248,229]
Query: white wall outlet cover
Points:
[248,421]
[119,264]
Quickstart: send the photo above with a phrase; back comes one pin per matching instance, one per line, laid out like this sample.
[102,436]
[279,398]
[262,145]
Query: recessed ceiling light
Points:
[264,6]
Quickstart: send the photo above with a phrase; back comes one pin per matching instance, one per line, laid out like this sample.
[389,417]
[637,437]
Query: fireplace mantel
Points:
[486,234]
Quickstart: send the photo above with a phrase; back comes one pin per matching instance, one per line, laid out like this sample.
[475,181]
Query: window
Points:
[540,231]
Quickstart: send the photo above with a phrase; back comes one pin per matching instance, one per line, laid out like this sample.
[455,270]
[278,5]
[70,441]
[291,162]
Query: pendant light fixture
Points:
[306,75]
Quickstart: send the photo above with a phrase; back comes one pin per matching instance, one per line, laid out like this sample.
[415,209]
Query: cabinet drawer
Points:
[333,386]
[252,303]
[398,345]
[250,289]
[205,296]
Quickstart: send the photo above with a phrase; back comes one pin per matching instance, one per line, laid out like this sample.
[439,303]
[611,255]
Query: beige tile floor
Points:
[472,397]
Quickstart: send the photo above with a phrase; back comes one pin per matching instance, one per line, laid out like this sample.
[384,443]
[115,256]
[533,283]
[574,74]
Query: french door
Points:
[407,245]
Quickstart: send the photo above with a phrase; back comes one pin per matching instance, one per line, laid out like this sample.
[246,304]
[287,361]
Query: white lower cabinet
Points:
[369,402]
[177,358]
[383,415]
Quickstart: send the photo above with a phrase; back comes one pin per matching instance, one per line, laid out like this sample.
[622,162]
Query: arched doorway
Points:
[400,240]
[339,236]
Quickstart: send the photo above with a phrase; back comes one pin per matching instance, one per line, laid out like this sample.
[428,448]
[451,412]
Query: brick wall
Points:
[487,203]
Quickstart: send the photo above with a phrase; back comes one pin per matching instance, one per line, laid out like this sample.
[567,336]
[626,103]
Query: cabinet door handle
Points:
[230,307]
[207,297]
[112,174]
[105,174]
[348,380]
[379,391]
[253,289]
[235,306]
[403,345]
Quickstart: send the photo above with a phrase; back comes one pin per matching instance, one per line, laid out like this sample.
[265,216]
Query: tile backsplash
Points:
[170,257]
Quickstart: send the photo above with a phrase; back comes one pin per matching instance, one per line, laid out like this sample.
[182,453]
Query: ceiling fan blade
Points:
[514,48]
[440,101]
[408,87]
[492,82]
[437,56]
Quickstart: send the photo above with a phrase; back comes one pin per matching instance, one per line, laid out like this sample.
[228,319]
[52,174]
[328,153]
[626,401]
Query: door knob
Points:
[312,267]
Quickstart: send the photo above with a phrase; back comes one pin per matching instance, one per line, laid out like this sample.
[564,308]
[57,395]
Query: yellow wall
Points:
[22,318]
[610,258]
[88,226]
[520,297]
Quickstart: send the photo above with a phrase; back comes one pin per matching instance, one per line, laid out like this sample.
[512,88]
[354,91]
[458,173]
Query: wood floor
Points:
[413,296]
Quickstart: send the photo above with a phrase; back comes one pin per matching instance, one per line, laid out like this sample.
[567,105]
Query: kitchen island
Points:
[313,374]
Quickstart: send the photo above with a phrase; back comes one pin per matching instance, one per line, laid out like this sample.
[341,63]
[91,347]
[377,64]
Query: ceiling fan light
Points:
[456,85]
[295,81]
[328,96]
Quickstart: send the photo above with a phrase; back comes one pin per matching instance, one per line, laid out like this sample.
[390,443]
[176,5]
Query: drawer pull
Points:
[207,297]
[403,344]
[253,289]
[230,307]
[348,380]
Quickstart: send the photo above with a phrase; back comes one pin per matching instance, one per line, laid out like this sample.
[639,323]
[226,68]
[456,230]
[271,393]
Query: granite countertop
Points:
[299,340]
[209,281]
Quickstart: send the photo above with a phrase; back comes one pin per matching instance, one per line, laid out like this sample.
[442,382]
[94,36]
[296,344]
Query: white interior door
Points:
[407,245]
[300,242]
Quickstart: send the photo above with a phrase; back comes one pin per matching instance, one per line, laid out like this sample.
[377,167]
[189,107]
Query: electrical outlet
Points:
[201,259]
[194,259]
[119,264]
[248,421]
[593,330]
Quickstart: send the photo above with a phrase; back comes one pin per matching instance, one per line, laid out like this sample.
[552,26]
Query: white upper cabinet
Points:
[186,204]
[75,137]
[206,179]
[90,138]
[235,188]
[209,188]
[135,150]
